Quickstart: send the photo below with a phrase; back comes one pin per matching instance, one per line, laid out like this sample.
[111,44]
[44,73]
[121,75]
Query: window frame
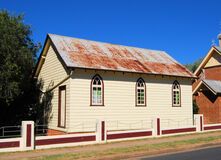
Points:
[176,83]
[136,93]
[102,91]
[61,88]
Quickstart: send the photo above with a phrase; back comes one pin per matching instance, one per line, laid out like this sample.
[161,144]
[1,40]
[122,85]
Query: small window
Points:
[140,92]
[176,94]
[97,91]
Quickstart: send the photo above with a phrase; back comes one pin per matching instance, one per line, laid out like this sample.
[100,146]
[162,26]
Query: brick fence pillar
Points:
[198,118]
[27,135]
[156,127]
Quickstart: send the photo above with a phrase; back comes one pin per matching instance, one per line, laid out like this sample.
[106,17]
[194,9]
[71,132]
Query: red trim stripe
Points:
[180,130]
[201,123]
[28,138]
[65,140]
[102,130]
[129,135]
[212,127]
[158,126]
[9,144]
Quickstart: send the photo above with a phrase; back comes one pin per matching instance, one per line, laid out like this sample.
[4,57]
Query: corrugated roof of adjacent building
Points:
[214,85]
[80,53]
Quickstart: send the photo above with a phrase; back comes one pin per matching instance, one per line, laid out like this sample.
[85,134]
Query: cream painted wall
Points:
[119,100]
[52,73]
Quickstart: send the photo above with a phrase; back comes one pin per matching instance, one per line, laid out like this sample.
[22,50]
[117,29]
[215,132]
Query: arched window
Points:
[97,91]
[176,94]
[140,92]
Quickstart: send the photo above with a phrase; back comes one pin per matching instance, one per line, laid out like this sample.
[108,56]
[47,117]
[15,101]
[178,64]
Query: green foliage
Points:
[19,92]
[192,67]
[17,54]
[195,107]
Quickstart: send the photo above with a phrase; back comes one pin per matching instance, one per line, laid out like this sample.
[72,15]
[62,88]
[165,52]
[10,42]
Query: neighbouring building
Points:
[94,80]
[207,88]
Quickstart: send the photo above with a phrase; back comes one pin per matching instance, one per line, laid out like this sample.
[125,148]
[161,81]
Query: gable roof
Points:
[213,85]
[207,58]
[80,53]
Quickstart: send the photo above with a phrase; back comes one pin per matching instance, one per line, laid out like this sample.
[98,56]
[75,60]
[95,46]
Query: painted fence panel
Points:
[64,140]
[178,130]
[211,127]
[122,135]
[28,141]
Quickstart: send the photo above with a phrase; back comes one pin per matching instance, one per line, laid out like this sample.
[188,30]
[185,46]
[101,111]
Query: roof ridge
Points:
[132,47]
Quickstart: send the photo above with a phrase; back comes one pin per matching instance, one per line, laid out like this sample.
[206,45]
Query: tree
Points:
[195,107]
[192,67]
[18,90]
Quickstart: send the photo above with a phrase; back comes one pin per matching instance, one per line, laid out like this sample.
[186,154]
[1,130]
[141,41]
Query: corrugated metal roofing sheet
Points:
[213,84]
[97,55]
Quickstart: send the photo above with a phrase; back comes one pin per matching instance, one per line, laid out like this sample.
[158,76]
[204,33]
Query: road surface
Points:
[213,153]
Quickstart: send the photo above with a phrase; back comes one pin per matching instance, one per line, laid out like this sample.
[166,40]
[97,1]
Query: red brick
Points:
[213,73]
[209,106]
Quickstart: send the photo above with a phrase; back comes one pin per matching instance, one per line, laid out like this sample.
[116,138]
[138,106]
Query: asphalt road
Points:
[213,153]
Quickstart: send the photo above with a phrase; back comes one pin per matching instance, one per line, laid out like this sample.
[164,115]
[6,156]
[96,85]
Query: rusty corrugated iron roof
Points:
[82,53]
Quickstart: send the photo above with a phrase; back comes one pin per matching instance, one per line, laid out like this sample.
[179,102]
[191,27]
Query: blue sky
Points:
[183,28]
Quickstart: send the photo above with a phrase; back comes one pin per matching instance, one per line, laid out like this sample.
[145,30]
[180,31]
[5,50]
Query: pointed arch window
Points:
[97,91]
[140,92]
[176,94]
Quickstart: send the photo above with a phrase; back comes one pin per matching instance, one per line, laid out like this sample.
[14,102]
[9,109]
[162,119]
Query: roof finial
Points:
[213,43]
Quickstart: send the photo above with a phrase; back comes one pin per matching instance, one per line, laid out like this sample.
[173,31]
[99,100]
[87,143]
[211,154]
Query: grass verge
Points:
[128,151]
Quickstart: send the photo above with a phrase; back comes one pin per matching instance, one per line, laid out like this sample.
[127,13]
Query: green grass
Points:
[139,148]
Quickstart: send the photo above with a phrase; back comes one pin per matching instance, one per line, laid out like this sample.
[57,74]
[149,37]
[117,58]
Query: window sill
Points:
[97,105]
[177,106]
[140,106]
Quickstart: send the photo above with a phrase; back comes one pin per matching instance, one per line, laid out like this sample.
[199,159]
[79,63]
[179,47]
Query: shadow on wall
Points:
[44,108]
[210,96]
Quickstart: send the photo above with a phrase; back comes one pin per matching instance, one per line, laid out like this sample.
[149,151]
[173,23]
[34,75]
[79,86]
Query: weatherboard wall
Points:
[119,99]
[52,73]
